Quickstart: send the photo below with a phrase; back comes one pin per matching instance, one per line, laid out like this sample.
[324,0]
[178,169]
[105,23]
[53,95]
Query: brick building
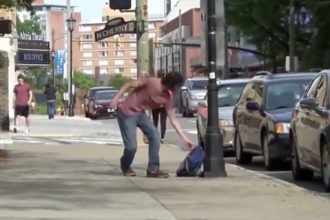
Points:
[114,55]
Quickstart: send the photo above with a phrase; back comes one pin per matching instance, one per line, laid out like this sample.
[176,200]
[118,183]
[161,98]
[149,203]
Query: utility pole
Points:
[142,38]
[214,165]
[292,37]
[68,16]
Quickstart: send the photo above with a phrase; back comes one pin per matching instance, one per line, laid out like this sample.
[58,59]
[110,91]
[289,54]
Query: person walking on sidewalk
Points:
[147,94]
[160,113]
[50,92]
[22,101]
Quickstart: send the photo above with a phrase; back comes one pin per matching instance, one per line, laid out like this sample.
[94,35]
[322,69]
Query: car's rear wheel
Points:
[297,172]
[241,156]
[268,161]
[325,166]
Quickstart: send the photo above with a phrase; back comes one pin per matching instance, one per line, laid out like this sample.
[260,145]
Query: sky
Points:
[91,9]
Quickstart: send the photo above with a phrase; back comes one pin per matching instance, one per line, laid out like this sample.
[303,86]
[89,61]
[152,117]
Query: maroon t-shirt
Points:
[150,95]
[22,94]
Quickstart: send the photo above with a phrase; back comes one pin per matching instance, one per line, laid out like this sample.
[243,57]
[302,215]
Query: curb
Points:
[265,176]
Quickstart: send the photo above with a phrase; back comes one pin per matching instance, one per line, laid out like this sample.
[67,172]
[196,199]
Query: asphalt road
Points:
[282,173]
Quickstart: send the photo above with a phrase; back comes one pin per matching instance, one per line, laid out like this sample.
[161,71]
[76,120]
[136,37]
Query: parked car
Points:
[263,114]
[310,132]
[89,97]
[228,94]
[101,104]
[192,91]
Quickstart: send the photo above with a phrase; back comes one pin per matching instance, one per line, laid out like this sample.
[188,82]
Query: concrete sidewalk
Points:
[84,182]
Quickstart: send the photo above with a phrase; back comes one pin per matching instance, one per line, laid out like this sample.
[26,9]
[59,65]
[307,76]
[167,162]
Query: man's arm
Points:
[30,97]
[177,127]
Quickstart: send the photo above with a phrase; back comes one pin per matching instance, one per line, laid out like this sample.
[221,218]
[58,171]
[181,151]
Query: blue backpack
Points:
[191,165]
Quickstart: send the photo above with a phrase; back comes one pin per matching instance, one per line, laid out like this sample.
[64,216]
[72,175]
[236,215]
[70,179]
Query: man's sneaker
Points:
[157,174]
[129,172]
[15,130]
[162,141]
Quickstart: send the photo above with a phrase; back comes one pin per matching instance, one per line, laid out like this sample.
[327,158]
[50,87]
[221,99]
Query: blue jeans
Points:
[51,108]
[128,125]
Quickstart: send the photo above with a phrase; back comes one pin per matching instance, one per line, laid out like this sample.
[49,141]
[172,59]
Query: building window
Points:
[119,62]
[132,62]
[104,70]
[133,70]
[103,53]
[87,46]
[119,70]
[87,54]
[132,53]
[89,71]
[132,45]
[88,37]
[85,28]
[87,63]
[103,45]
[133,35]
[103,63]
[119,53]
[118,45]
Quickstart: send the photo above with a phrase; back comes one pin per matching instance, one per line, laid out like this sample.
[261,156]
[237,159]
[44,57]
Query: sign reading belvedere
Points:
[114,27]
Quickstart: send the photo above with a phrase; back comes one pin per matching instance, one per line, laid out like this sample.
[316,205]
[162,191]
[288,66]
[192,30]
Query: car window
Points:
[228,95]
[199,84]
[104,95]
[246,94]
[312,88]
[258,90]
[285,94]
[321,91]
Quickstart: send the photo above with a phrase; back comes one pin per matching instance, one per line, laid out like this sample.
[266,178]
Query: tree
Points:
[27,4]
[266,25]
[118,80]
[28,26]
[83,81]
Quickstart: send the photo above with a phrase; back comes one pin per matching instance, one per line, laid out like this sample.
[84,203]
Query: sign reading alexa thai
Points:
[114,27]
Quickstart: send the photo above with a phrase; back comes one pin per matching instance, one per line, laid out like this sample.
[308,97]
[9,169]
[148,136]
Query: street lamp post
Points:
[71,24]
[214,165]
[53,65]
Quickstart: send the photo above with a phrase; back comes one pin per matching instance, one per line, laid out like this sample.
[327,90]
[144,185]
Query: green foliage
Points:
[17,3]
[118,80]
[83,81]
[28,26]
[36,77]
[266,25]
[40,108]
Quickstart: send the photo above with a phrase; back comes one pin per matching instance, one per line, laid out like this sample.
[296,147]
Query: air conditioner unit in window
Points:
[5,27]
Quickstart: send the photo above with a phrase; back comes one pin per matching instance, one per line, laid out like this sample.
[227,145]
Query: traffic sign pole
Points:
[142,38]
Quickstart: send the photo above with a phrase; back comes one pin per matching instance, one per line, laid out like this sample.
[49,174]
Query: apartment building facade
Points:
[114,55]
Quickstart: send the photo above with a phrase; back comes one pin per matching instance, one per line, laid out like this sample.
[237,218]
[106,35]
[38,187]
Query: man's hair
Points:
[21,76]
[172,80]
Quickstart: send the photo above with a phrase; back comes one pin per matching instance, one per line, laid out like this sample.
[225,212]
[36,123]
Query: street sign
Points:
[114,27]
[32,53]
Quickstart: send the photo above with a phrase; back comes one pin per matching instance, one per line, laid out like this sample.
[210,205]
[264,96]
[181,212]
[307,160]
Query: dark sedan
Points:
[310,132]
[262,116]
[101,104]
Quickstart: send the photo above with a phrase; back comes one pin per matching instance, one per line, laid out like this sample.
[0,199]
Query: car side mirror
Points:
[202,103]
[252,106]
[310,103]
[184,88]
